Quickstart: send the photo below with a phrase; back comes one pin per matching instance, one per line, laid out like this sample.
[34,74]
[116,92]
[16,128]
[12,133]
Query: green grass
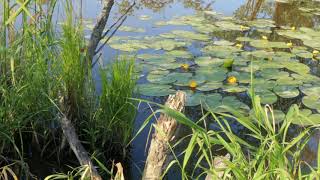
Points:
[270,152]
[38,66]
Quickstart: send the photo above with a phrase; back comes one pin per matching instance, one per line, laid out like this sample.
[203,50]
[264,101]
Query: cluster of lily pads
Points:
[224,68]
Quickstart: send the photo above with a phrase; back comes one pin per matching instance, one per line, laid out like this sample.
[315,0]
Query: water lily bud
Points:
[290,44]
[264,37]
[228,63]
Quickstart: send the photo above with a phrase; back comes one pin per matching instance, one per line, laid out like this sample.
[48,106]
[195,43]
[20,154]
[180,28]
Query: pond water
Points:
[206,47]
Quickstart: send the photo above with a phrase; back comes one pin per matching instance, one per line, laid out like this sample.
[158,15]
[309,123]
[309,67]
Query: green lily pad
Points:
[286,91]
[312,102]
[310,120]
[275,116]
[221,51]
[233,102]
[297,67]
[168,44]
[179,77]
[314,43]
[209,86]
[234,88]
[262,23]
[191,35]
[131,29]
[129,47]
[213,75]
[244,39]
[305,54]
[230,26]
[223,43]
[161,23]
[208,61]
[267,97]
[194,98]
[155,89]
[212,101]
[145,17]
[180,54]
[262,44]
[289,81]
[313,91]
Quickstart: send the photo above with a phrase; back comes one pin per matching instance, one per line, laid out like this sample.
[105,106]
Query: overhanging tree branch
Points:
[97,31]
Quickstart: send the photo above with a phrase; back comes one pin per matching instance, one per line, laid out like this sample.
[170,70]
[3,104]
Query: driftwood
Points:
[166,127]
[74,142]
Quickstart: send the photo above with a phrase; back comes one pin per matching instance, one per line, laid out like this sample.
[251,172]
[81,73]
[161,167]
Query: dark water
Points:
[284,14]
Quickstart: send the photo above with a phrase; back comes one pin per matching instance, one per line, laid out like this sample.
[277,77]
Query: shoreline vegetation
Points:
[51,108]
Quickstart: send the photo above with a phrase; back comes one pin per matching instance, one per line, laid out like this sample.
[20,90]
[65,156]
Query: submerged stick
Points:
[159,150]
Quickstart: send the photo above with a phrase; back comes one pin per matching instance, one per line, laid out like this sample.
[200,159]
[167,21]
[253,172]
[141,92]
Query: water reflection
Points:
[290,14]
[158,5]
[284,14]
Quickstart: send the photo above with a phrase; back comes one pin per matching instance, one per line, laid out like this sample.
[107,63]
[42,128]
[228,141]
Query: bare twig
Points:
[105,42]
[123,15]
[121,19]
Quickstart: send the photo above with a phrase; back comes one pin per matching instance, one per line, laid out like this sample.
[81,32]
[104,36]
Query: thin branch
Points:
[98,30]
[118,20]
[95,62]
[105,42]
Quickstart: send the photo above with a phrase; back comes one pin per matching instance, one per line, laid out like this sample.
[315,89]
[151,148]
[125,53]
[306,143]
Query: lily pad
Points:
[208,61]
[286,91]
[313,91]
[262,44]
[209,86]
[191,35]
[223,43]
[145,17]
[155,89]
[267,97]
[312,102]
[180,54]
[194,98]
[131,29]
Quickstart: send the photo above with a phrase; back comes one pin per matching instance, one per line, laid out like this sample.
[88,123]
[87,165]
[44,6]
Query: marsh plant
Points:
[41,65]
[267,151]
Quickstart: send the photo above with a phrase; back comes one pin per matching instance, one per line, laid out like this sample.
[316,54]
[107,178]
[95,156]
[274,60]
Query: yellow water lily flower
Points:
[242,28]
[185,66]
[315,52]
[239,46]
[193,84]
[264,37]
[289,44]
[293,28]
[232,80]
